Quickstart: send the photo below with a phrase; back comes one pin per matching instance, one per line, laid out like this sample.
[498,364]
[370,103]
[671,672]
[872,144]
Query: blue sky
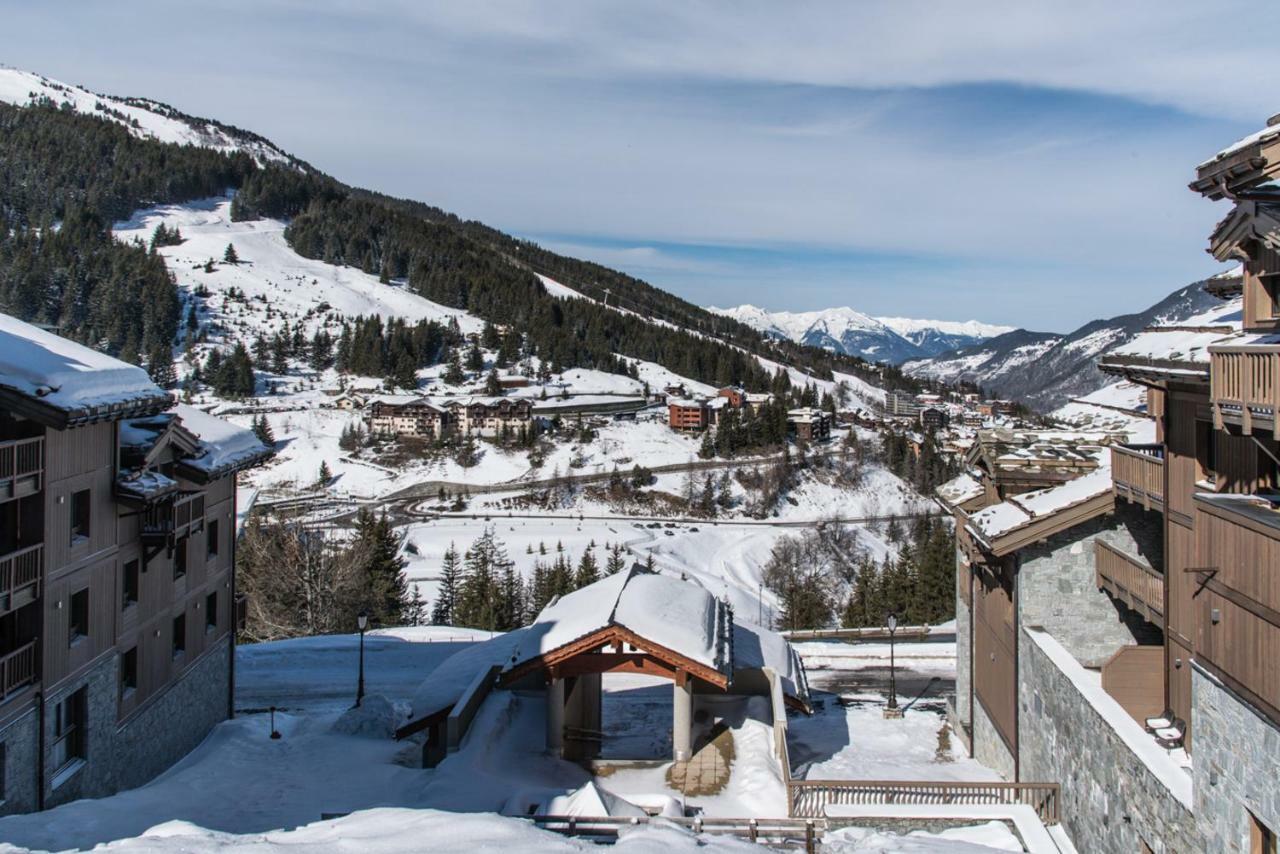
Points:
[1016,162]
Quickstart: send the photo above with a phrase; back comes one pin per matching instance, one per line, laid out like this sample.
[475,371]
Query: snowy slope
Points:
[145,118]
[845,330]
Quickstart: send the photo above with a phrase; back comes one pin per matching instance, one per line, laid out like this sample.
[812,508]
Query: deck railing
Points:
[1245,381]
[168,517]
[809,798]
[19,569]
[1128,579]
[1137,473]
[17,669]
[21,458]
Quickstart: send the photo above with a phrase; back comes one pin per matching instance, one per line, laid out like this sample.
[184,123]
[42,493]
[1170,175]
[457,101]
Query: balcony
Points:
[1137,474]
[1130,581]
[182,515]
[1244,387]
[21,467]
[17,670]
[20,573]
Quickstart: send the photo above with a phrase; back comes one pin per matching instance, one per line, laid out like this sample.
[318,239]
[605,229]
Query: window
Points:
[79,517]
[78,616]
[128,671]
[1262,839]
[1206,456]
[68,730]
[129,584]
[179,635]
[211,539]
[180,558]
[211,612]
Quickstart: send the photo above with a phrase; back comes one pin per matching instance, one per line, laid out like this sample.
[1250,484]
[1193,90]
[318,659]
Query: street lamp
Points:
[362,620]
[892,710]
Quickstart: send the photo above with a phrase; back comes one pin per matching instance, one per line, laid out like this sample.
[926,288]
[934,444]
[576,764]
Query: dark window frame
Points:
[179,639]
[78,615]
[128,671]
[211,612]
[132,569]
[81,512]
[211,539]
[69,737]
[180,552]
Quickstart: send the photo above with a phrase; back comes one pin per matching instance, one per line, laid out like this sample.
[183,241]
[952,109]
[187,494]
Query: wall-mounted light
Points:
[1215,616]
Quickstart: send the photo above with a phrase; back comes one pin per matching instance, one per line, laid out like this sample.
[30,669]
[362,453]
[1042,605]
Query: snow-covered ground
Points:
[243,791]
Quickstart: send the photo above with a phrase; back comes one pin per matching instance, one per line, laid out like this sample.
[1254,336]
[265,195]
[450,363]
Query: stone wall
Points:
[1111,800]
[1237,766]
[988,747]
[964,652]
[167,728]
[21,740]
[1057,588]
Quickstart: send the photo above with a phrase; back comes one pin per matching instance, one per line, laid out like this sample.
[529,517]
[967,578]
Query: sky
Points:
[1023,163]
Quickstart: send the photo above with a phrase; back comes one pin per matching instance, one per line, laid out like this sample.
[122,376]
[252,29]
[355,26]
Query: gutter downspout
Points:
[40,752]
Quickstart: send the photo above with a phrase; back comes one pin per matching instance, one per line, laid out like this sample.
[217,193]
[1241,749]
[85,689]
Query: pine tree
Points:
[262,429]
[475,359]
[443,611]
[615,564]
[385,594]
[229,255]
[453,374]
[160,366]
[707,449]
[324,476]
[588,570]
[492,385]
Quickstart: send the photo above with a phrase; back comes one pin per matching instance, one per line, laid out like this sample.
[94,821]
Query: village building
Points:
[809,424]
[736,395]
[117,571]
[901,404]
[406,415]
[934,418]
[687,415]
[489,417]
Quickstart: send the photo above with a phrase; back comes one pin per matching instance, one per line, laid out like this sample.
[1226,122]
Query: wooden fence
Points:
[809,798]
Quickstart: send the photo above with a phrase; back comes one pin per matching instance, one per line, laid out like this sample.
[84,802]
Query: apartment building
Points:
[117,579]
[432,418]
[1120,633]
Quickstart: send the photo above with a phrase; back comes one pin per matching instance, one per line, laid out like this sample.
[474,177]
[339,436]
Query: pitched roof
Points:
[60,383]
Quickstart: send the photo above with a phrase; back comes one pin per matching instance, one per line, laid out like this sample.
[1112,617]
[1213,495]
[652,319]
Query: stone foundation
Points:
[1237,766]
[988,747]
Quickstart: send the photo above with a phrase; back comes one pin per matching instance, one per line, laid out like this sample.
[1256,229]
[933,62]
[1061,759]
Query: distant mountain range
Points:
[878,339]
[1045,369]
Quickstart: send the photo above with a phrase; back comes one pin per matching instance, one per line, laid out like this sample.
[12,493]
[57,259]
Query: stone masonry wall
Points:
[964,653]
[1057,588]
[162,732]
[1111,801]
[988,747]
[21,740]
[1237,766]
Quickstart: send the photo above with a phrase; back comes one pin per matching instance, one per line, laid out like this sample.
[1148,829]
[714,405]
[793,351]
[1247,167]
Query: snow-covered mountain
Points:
[145,118]
[1044,369]
[877,339]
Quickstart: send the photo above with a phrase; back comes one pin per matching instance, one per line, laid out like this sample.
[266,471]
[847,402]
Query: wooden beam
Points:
[615,662]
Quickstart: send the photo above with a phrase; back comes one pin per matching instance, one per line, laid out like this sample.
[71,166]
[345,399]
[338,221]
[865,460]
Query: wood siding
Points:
[994,653]
[1134,677]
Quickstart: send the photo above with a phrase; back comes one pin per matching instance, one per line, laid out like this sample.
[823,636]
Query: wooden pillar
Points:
[682,717]
[555,715]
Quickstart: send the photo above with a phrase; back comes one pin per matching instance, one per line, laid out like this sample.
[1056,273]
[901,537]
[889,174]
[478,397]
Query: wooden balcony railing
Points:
[17,669]
[1244,384]
[21,465]
[1137,474]
[809,798]
[20,577]
[182,515]
[1129,580]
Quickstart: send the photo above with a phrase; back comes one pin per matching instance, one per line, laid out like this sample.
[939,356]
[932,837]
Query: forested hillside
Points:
[67,175]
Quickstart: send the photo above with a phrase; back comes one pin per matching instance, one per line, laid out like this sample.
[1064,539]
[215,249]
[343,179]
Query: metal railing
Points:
[1245,378]
[1129,580]
[20,568]
[809,798]
[1137,473]
[17,669]
[21,457]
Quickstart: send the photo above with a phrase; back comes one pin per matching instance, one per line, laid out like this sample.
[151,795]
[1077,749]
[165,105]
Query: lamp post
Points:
[363,622]
[892,710]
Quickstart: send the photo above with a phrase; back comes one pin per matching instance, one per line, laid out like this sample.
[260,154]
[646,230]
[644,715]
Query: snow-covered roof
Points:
[1183,347]
[687,403]
[1267,133]
[961,488]
[1018,511]
[224,446]
[59,382]
[679,616]
[145,485]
